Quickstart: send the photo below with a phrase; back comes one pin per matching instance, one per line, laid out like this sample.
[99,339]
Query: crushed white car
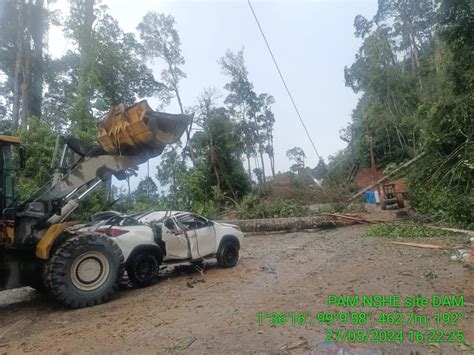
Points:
[153,239]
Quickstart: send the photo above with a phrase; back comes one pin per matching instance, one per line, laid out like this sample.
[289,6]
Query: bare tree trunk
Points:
[81,109]
[248,166]
[20,46]
[272,163]
[271,155]
[180,103]
[37,63]
[214,165]
[26,73]
[263,165]
[178,97]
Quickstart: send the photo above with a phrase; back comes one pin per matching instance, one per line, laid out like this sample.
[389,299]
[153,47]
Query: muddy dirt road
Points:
[217,312]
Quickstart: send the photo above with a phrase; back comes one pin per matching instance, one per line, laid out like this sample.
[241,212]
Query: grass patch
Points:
[406,230]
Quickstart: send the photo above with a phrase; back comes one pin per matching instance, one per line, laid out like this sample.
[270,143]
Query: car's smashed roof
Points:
[155,216]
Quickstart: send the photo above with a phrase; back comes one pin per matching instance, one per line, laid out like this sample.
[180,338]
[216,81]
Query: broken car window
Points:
[193,222]
[170,225]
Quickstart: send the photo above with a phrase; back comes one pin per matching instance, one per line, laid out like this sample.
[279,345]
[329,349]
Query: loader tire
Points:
[84,270]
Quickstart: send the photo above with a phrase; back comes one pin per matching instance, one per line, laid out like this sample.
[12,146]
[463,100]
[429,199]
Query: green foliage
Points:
[111,69]
[253,206]
[171,165]
[429,193]
[416,75]
[218,149]
[39,141]
[252,112]
[406,230]
[217,178]
[95,202]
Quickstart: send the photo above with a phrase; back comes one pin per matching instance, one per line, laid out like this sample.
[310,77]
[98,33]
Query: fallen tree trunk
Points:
[356,219]
[284,224]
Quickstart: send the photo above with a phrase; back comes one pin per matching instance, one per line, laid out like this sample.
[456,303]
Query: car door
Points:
[201,233]
[176,241]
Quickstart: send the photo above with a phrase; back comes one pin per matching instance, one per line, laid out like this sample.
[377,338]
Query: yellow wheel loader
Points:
[38,246]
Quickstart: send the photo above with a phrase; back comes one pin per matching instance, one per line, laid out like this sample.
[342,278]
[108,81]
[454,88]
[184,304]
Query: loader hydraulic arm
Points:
[127,137]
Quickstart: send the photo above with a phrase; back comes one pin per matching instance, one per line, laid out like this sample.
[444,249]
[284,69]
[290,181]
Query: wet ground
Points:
[216,312]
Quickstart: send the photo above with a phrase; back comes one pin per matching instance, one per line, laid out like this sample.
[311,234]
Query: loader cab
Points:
[12,158]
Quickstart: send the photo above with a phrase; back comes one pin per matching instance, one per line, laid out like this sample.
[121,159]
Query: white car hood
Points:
[229,225]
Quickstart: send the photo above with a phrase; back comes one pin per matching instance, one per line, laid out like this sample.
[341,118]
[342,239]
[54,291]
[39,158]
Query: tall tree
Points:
[412,21]
[79,29]
[266,119]
[297,155]
[414,73]
[146,189]
[22,27]
[241,99]
[111,67]
[38,24]
[218,151]
[161,40]
[171,165]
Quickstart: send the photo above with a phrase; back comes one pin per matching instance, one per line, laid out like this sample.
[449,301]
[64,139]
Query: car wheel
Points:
[143,269]
[84,271]
[228,254]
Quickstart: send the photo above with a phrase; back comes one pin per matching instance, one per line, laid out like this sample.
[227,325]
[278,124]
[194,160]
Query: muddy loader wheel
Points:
[143,269]
[228,254]
[84,271]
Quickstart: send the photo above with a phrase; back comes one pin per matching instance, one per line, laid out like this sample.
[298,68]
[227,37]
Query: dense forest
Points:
[413,72]
[43,97]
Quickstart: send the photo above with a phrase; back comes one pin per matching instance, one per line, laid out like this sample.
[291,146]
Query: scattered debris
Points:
[193,282]
[461,255]
[301,343]
[420,245]
[413,216]
[268,268]
[182,345]
[455,230]
[190,342]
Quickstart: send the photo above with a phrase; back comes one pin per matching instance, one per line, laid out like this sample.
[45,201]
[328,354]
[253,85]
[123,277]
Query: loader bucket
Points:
[138,130]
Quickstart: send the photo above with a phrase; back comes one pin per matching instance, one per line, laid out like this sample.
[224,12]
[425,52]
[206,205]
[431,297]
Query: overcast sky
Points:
[312,42]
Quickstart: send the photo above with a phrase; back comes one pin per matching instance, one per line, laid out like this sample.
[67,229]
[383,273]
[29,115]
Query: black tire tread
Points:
[137,283]
[54,269]
[220,252]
